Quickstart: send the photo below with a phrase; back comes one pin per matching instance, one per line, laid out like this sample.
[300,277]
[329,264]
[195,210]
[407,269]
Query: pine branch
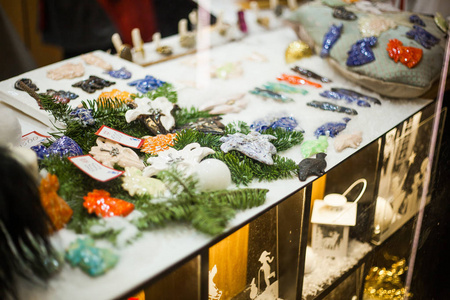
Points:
[285,139]
[185,115]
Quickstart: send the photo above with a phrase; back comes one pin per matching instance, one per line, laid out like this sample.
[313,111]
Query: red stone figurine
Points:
[100,202]
[409,56]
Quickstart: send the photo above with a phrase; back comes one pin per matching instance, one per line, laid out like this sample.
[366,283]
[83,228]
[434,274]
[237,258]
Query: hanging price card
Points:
[94,169]
[32,139]
[119,137]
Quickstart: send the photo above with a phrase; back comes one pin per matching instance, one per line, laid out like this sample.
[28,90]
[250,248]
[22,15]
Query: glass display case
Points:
[318,238]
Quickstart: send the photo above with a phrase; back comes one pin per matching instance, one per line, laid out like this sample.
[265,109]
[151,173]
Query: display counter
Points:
[280,228]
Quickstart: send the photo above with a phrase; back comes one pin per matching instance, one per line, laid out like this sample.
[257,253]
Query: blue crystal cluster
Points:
[122,73]
[331,129]
[423,37]
[64,146]
[330,38]
[361,53]
[149,83]
[341,96]
[415,19]
[287,123]
[83,115]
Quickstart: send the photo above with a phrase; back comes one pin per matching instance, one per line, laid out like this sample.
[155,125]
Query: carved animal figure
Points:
[343,141]
[312,166]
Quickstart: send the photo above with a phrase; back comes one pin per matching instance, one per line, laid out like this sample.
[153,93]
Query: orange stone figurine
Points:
[56,208]
[100,202]
[123,96]
[297,80]
[409,56]
[156,144]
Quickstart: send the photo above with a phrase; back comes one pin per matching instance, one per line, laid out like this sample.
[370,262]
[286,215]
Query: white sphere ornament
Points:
[213,175]
[11,131]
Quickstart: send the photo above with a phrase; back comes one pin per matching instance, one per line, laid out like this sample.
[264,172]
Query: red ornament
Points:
[409,56]
[297,80]
[100,202]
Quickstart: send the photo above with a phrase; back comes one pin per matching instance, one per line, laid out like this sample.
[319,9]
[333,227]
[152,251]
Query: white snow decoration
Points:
[146,106]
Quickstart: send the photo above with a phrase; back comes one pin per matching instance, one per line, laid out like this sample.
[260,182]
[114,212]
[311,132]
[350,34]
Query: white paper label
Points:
[33,138]
[119,137]
[95,169]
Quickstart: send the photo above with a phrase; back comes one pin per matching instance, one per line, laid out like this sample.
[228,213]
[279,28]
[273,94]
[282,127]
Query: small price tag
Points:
[94,168]
[32,139]
[119,137]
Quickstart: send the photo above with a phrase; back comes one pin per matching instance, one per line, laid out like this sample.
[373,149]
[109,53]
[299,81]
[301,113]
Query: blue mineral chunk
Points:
[65,146]
[287,123]
[270,94]
[122,73]
[41,151]
[415,19]
[331,129]
[83,115]
[355,94]
[423,37]
[361,53]
[336,95]
[330,38]
[149,83]
[260,125]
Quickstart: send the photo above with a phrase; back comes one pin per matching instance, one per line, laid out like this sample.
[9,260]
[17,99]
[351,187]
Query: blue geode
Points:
[147,84]
[330,38]
[423,37]
[361,53]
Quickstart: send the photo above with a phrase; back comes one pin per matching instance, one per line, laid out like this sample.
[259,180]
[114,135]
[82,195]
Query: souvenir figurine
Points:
[373,26]
[135,183]
[155,144]
[56,208]
[60,96]
[297,80]
[344,141]
[423,37]
[228,105]
[287,123]
[66,71]
[103,205]
[122,96]
[213,175]
[331,129]
[91,259]
[415,19]
[297,50]
[310,74]
[332,107]
[186,159]
[409,56]
[110,153]
[312,166]
[340,12]
[330,38]
[357,95]
[92,84]
[312,147]
[361,53]
[92,59]
[211,125]
[278,87]
[26,85]
[122,73]
[254,145]
[156,114]
[272,95]
[149,83]
[337,95]
[82,115]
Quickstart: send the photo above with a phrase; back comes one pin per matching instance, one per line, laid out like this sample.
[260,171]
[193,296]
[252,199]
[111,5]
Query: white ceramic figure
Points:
[110,153]
[343,141]
[265,260]
[146,106]
[66,71]
[223,106]
[213,175]
[254,145]
[213,292]
[186,159]
[137,184]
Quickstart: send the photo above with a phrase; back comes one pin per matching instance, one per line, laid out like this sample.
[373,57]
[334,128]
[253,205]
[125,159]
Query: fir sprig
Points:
[187,115]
